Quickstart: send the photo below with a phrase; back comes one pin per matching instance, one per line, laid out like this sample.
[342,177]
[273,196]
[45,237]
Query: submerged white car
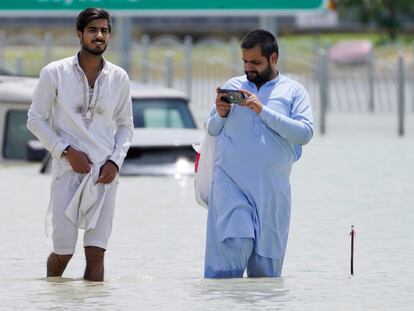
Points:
[164,133]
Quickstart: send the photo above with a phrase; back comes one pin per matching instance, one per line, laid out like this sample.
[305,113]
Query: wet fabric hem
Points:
[95,243]
[64,251]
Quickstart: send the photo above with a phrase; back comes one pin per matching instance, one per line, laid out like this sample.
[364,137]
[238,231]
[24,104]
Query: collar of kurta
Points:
[75,62]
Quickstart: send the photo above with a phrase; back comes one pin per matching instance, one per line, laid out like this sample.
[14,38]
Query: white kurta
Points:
[61,113]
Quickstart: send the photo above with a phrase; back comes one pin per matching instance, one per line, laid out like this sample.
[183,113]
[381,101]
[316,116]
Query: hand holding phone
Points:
[232,96]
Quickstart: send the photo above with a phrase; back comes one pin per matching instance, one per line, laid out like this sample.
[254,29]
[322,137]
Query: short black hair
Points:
[264,39]
[89,14]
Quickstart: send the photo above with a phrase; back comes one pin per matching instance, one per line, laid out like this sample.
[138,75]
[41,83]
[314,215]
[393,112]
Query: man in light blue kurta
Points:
[256,144]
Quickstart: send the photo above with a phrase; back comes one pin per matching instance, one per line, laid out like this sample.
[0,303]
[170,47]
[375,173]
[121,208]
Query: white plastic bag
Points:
[204,169]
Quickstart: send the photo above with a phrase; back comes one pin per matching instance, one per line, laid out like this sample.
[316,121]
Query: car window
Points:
[161,117]
[16,135]
[162,113]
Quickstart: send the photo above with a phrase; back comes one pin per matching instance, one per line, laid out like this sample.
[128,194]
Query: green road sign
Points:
[162,5]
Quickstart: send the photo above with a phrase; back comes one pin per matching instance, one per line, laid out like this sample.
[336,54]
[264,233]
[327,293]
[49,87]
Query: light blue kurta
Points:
[253,160]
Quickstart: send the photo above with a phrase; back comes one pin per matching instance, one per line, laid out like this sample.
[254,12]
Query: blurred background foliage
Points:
[386,14]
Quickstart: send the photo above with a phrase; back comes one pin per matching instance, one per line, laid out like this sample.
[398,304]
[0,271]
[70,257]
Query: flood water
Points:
[360,173]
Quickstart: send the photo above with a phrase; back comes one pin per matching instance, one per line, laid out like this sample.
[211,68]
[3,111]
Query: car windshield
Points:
[162,113]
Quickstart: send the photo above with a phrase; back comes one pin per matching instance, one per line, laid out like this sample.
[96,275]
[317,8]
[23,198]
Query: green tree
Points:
[386,13]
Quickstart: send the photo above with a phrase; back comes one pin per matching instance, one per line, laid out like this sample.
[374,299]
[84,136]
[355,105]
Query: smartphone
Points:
[232,96]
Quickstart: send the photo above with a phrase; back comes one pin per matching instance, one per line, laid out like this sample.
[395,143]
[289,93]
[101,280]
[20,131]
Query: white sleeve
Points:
[124,124]
[40,112]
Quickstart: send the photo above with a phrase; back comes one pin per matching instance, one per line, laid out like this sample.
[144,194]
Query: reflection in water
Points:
[135,277]
[246,291]
[65,292]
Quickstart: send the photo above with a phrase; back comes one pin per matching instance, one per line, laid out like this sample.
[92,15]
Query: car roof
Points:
[15,89]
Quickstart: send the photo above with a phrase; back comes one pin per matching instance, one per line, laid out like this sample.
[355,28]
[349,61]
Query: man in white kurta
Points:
[82,114]
[256,144]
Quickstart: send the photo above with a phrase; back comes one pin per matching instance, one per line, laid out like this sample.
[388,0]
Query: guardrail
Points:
[383,83]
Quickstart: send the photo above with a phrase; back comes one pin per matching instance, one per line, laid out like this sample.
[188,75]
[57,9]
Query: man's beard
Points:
[96,52]
[260,78]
